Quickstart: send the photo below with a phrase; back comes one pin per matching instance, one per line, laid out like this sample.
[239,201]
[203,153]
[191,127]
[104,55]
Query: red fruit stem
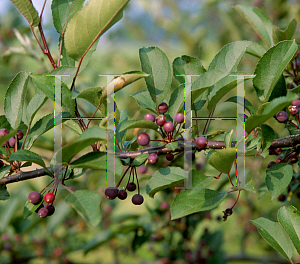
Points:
[46,187]
[129,179]
[118,144]
[230,179]
[161,148]
[137,180]
[118,184]
[218,177]
[294,124]
[236,199]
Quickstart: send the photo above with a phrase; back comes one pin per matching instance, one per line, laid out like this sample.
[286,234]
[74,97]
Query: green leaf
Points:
[26,155]
[163,179]
[278,178]
[89,23]
[87,205]
[68,72]
[259,21]
[275,235]
[155,62]
[124,80]
[229,57]
[3,171]
[27,9]
[271,66]
[65,60]
[4,195]
[268,135]
[35,104]
[206,80]
[46,84]
[15,98]
[144,99]
[121,136]
[193,201]
[30,208]
[289,218]
[170,176]
[138,124]
[88,137]
[287,34]
[221,88]
[240,100]
[95,161]
[172,145]
[92,95]
[40,127]
[74,126]
[270,110]
[223,159]
[139,160]
[176,100]
[228,138]
[186,65]
[63,10]
[255,49]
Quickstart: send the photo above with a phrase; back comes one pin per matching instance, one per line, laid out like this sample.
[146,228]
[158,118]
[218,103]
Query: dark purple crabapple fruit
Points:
[228,211]
[122,194]
[137,199]
[131,186]
[43,212]
[149,117]
[162,108]
[281,116]
[49,197]
[179,118]
[35,197]
[152,158]
[296,102]
[279,159]
[169,156]
[50,208]
[20,134]
[143,139]
[168,127]
[161,120]
[201,142]
[3,132]
[12,142]
[281,198]
[142,169]
[111,192]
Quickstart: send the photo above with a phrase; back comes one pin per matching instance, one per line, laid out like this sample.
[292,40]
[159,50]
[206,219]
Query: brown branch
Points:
[289,141]
[25,175]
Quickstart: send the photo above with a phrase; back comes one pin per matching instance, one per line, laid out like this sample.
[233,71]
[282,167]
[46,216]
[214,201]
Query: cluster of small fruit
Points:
[12,141]
[167,129]
[283,116]
[43,211]
[114,192]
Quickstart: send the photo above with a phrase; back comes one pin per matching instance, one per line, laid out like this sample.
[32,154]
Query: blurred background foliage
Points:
[128,233]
